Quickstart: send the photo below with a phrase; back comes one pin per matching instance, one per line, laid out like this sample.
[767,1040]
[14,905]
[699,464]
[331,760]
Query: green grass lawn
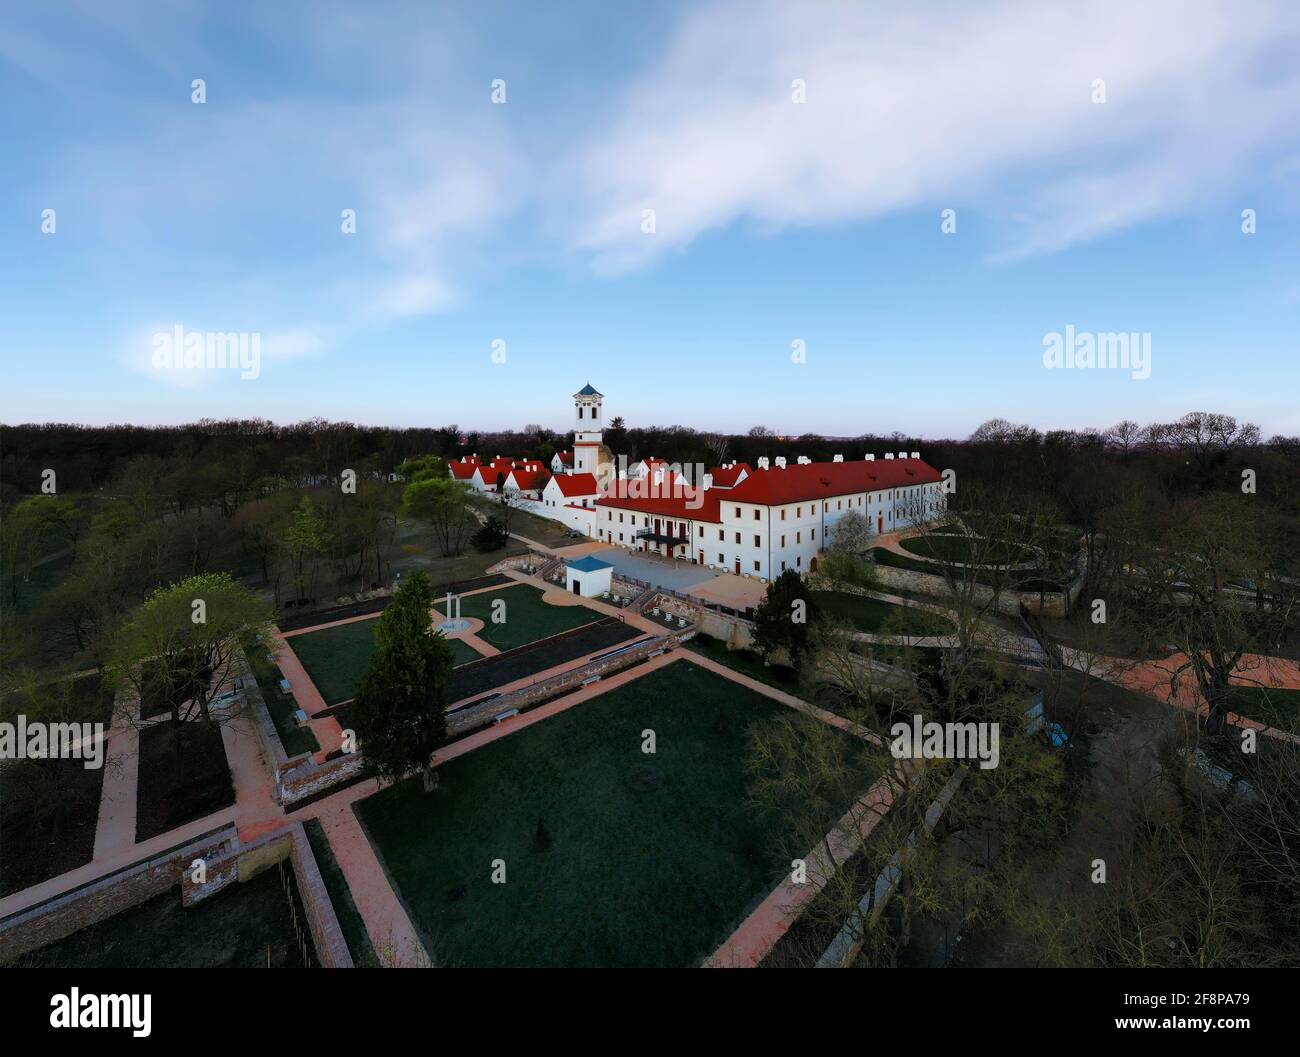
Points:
[232,929]
[1276,707]
[524,522]
[527,617]
[336,658]
[877,616]
[295,739]
[951,547]
[1024,580]
[747,662]
[350,919]
[462,653]
[652,859]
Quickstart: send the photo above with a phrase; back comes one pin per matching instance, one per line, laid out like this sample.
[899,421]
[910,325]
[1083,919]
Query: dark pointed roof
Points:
[587,390]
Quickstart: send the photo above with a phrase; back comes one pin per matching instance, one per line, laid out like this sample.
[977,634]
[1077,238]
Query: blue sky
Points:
[775,221]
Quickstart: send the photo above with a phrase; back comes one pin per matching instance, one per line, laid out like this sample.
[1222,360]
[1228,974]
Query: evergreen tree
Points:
[400,705]
[784,619]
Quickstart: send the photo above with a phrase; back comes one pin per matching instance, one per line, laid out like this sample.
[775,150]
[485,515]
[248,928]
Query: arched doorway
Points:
[812,566]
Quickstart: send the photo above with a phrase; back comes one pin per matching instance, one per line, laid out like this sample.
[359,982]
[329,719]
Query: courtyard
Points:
[612,857]
[526,615]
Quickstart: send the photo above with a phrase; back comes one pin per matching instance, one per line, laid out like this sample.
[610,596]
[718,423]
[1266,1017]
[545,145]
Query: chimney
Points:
[803,460]
[838,458]
[708,481]
[780,462]
[762,463]
[916,455]
[889,455]
[871,458]
[902,455]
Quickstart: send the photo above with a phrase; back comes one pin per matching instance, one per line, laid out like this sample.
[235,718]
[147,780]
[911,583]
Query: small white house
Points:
[588,576]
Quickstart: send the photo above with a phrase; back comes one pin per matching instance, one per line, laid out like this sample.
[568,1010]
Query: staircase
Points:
[1051,651]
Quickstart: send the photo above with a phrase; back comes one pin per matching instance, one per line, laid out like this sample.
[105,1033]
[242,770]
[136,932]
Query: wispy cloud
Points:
[947,105]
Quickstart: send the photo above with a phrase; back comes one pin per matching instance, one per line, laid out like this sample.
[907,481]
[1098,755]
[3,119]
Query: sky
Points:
[721,214]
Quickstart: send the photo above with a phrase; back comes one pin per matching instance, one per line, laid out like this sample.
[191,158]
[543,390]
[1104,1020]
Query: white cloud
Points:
[291,344]
[409,295]
[944,106]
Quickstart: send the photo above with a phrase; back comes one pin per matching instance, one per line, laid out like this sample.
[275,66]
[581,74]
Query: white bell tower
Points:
[587,430]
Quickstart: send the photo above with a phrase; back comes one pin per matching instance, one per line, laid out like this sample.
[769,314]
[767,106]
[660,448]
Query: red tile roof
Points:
[565,457]
[725,476]
[462,471]
[817,480]
[576,484]
[530,479]
[491,474]
[673,498]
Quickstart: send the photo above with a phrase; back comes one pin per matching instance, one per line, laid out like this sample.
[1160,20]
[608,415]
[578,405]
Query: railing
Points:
[661,537]
[1034,626]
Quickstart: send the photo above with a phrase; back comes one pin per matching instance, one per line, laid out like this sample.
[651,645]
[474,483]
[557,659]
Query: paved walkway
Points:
[772,918]
[470,635]
[1153,678]
[391,931]
[115,829]
[392,934]
[328,733]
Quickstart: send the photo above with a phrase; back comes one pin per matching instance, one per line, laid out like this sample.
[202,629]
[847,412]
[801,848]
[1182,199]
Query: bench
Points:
[501,717]
[300,717]
[284,686]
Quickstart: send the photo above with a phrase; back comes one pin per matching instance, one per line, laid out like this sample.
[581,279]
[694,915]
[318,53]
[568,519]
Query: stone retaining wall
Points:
[246,862]
[1050,604]
[267,735]
[99,900]
[303,776]
[465,720]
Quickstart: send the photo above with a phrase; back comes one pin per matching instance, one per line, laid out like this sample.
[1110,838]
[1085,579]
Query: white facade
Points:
[587,430]
[758,540]
[576,511]
[591,582]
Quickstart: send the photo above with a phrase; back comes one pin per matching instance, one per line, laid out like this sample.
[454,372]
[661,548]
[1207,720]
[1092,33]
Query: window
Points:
[798,562]
[722,560]
[756,514]
[798,537]
[758,542]
[721,537]
[756,567]
[798,511]
[783,566]
[839,504]
[620,521]
[737,537]
[737,511]
[812,535]
[783,513]
[782,544]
